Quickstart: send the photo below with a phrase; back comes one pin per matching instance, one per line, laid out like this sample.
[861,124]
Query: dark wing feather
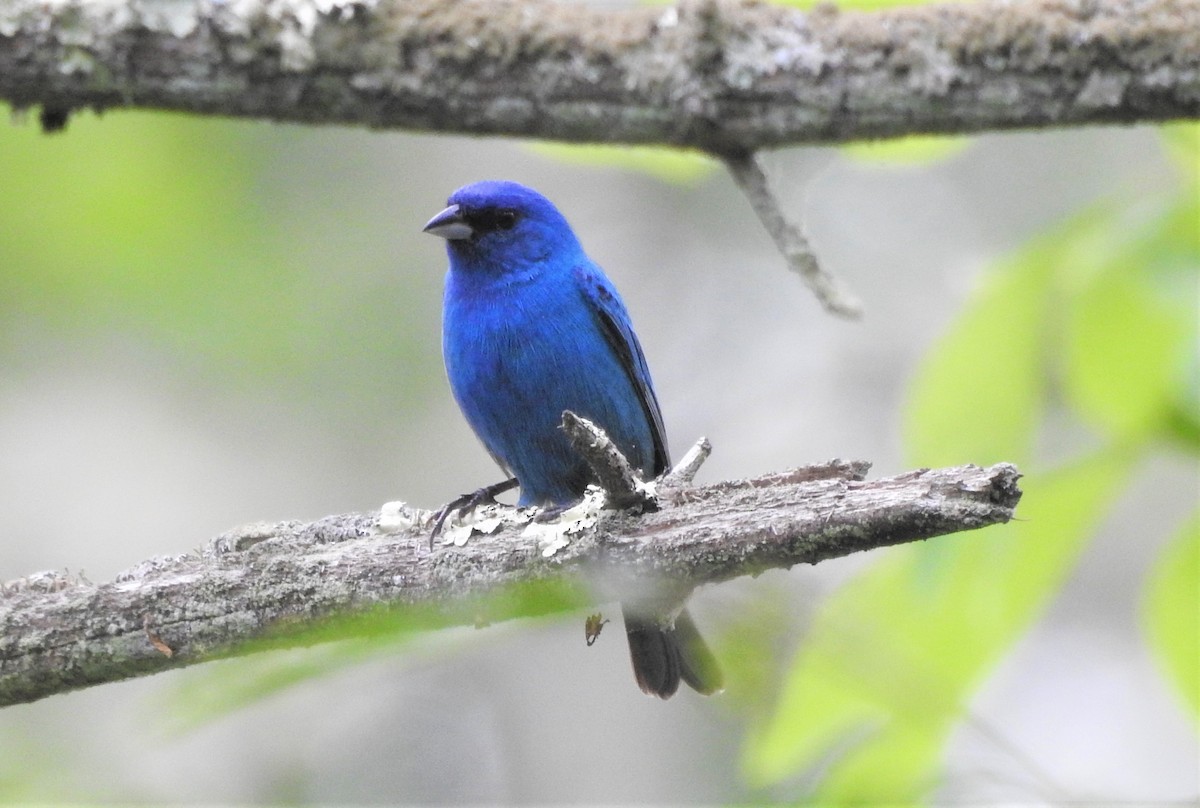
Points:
[614,323]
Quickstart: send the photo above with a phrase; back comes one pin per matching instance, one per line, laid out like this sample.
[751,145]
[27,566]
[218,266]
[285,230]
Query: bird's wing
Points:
[614,324]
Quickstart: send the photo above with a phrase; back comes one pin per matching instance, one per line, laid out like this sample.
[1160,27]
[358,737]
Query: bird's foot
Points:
[467,503]
[552,512]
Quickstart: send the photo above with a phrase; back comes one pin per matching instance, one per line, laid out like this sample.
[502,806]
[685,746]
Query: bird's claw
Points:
[552,512]
[467,503]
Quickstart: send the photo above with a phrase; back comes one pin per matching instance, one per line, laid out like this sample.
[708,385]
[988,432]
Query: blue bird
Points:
[532,327]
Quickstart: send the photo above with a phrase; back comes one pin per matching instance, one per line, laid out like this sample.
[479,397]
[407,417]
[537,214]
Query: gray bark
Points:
[728,78]
[59,632]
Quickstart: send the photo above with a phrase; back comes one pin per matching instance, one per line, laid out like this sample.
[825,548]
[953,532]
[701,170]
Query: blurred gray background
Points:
[118,441]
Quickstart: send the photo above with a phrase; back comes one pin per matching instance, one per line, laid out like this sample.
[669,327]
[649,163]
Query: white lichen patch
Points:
[295,50]
[483,520]
[45,581]
[458,536]
[77,61]
[290,24]
[330,6]
[1103,90]
[397,517]
[179,18]
[244,537]
[576,519]
[649,489]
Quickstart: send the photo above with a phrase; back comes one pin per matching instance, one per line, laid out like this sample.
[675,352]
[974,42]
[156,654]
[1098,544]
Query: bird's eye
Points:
[506,219]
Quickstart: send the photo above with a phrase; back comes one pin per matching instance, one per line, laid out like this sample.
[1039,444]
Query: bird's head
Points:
[496,227]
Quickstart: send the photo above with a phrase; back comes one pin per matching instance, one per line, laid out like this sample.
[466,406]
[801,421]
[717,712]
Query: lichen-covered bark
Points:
[729,78]
[59,632]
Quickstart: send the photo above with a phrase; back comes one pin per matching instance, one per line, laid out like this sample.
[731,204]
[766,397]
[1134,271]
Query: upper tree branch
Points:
[727,78]
[58,633]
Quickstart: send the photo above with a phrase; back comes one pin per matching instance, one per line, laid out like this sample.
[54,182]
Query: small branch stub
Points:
[686,469]
[625,491]
[790,239]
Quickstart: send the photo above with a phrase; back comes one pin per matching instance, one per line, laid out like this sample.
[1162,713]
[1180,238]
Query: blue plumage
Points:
[532,327]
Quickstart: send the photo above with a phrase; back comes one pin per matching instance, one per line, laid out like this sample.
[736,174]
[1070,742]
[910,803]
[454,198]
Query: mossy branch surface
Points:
[729,78]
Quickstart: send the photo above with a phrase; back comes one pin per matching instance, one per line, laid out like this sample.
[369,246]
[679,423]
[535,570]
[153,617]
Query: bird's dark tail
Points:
[663,656]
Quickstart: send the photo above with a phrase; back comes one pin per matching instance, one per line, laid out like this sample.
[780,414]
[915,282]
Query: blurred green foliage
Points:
[1172,615]
[886,669]
[175,239]
[688,167]
[1093,324]
[669,165]
[68,256]
[346,640]
[907,151]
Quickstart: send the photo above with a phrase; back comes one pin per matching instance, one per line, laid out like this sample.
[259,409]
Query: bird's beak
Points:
[449,224]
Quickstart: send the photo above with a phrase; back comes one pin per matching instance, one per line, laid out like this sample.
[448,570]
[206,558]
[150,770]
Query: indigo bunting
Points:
[531,327]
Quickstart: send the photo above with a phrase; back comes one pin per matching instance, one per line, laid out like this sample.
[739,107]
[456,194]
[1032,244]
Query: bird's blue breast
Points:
[519,351]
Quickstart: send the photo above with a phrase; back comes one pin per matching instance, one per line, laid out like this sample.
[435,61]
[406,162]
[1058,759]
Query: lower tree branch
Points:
[59,632]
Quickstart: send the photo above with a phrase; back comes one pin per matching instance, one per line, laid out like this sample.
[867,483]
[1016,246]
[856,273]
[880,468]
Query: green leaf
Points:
[1106,301]
[1183,422]
[916,150]
[979,395]
[1171,613]
[894,656]
[1123,352]
[675,166]
[1130,320]
[1172,265]
[754,640]
[1183,144]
